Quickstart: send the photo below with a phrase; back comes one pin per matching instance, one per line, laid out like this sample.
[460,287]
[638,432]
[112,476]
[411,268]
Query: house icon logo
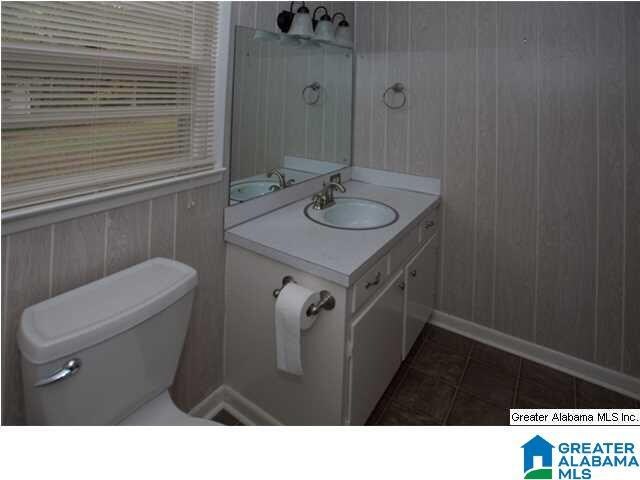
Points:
[538,461]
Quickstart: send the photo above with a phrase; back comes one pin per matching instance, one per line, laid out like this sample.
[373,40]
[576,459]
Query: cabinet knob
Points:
[413,273]
[375,282]
[429,224]
[401,286]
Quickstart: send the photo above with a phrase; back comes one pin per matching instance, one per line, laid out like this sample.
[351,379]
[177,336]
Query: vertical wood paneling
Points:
[275,102]
[362,85]
[378,120]
[266,16]
[330,113]
[163,215]
[460,159]
[78,253]
[426,102]
[295,121]
[127,236]
[264,87]
[555,204]
[238,144]
[250,90]
[632,203]
[567,231]
[199,243]
[269,89]
[344,108]
[397,71]
[314,113]
[28,282]
[516,170]
[247,12]
[486,154]
[610,200]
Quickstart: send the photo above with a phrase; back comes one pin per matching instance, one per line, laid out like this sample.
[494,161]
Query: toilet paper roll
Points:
[290,318]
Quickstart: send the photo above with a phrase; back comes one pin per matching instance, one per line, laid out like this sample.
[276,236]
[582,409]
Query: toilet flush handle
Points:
[70,368]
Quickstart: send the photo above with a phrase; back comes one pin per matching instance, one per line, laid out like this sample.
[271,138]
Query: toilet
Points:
[107,352]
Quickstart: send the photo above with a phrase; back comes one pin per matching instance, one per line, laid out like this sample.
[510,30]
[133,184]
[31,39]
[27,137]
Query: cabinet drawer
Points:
[404,248]
[370,283]
[429,224]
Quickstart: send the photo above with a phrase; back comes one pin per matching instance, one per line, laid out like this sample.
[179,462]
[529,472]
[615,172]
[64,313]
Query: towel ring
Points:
[315,88]
[395,88]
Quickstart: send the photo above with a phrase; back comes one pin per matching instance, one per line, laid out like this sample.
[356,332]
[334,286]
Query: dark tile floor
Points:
[448,379]
[225,418]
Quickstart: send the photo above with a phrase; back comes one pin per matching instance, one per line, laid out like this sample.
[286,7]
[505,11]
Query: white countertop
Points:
[340,256]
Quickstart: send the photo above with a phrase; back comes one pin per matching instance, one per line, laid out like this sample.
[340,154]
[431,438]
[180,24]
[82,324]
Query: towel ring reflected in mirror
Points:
[313,97]
[397,88]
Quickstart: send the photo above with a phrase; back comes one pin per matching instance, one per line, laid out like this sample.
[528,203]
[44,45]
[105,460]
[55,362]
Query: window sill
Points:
[26,218]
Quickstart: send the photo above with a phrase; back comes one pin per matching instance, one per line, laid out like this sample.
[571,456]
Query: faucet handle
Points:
[319,201]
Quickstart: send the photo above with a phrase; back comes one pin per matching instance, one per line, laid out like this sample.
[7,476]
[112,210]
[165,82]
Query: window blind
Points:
[102,94]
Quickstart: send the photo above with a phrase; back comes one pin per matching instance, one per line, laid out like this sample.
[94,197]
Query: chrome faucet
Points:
[324,198]
[282,181]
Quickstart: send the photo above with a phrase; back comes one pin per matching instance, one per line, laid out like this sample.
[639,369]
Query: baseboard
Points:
[210,405]
[591,372]
[247,411]
[226,398]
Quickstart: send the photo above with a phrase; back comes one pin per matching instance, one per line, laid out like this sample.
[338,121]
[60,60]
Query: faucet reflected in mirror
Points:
[291,113]
[282,180]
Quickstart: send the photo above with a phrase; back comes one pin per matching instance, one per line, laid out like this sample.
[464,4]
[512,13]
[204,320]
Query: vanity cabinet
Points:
[351,353]
[375,349]
[421,281]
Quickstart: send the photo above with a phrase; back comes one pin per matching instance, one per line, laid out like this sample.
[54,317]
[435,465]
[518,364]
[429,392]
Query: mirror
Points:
[291,112]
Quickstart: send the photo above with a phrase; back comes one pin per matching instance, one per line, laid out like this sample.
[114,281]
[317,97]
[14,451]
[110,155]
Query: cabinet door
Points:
[421,281]
[376,336]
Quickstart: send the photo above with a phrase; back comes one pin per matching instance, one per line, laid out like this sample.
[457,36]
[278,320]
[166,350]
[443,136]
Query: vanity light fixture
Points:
[343,30]
[285,17]
[301,25]
[324,29]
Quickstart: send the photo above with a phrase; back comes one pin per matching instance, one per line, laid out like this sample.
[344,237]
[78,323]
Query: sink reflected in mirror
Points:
[349,213]
[243,191]
[259,185]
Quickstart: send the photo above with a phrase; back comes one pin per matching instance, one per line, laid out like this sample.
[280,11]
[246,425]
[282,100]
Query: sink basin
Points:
[242,191]
[353,214]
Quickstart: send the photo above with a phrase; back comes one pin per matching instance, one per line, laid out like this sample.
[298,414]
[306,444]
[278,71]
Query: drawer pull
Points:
[375,282]
[413,273]
[429,224]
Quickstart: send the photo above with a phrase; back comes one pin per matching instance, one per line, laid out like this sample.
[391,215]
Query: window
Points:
[97,95]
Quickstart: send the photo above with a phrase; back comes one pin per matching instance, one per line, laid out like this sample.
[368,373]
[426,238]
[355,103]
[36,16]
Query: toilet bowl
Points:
[106,353]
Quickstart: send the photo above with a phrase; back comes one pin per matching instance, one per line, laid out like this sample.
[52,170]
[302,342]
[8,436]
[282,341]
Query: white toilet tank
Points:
[102,350]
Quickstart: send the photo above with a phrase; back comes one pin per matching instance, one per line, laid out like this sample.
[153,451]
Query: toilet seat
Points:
[161,411]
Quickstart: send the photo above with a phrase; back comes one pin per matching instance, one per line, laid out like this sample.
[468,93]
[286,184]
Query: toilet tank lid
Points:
[95,312]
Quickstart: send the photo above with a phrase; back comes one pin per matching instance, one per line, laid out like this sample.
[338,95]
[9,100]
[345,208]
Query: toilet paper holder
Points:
[327,302]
